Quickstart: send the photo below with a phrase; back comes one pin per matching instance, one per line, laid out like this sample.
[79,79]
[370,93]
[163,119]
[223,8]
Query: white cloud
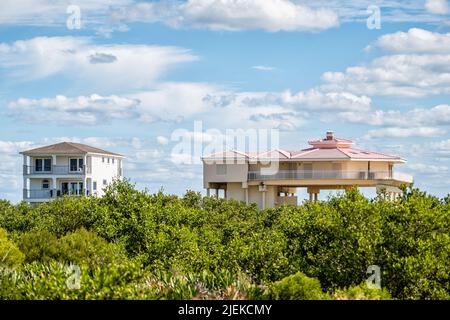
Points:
[394,132]
[263,68]
[428,168]
[72,57]
[437,6]
[234,15]
[415,40]
[441,148]
[53,12]
[395,75]
[435,116]
[86,110]
[161,140]
[173,101]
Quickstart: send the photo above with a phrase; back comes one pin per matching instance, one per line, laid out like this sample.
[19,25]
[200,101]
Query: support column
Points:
[208,192]
[25,188]
[85,167]
[85,185]
[217,193]
[316,196]
[54,187]
[225,193]
[246,195]
[53,162]
[310,196]
[263,200]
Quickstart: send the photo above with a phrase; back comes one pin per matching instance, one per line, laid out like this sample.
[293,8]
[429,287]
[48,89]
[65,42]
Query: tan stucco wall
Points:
[235,173]
[235,191]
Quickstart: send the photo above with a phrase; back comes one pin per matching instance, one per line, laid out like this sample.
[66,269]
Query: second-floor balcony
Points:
[330,175]
[48,194]
[56,170]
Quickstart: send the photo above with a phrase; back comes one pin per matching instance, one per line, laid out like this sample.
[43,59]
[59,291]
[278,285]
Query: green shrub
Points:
[297,287]
[361,292]
[38,245]
[10,255]
[332,241]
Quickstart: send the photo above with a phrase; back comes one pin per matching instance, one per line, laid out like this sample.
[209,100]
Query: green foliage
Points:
[361,292]
[208,248]
[10,255]
[297,287]
[38,245]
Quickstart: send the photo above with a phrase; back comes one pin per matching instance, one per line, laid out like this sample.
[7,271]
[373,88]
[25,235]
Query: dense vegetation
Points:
[135,245]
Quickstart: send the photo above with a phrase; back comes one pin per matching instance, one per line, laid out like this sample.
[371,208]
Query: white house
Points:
[271,178]
[68,168]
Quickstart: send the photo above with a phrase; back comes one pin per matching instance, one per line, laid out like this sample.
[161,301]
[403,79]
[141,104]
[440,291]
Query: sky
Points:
[141,78]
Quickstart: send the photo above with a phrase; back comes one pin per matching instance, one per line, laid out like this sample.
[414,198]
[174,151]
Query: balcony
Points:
[330,175]
[51,194]
[57,170]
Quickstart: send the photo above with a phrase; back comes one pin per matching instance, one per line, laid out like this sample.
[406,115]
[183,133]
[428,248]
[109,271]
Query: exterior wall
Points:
[102,170]
[235,191]
[234,173]
[36,184]
[254,196]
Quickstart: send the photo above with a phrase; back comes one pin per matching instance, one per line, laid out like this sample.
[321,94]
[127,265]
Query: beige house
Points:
[271,178]
[68,168]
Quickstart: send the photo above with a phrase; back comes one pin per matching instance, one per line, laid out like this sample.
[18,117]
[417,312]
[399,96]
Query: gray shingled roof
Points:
[67,148]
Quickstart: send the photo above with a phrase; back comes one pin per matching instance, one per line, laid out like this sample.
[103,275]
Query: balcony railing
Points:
[330,174]
[62,170]
[51,194]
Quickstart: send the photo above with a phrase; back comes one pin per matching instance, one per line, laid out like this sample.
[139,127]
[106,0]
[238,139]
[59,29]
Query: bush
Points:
[10,255]
[333,242]
[38,245]
[297,287]
[361,292]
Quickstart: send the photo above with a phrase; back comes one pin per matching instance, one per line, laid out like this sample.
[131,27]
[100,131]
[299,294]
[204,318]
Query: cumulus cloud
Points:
[435,116]
[233,15]
[62,110]
[415,40]
[73,57]
[437,6]
[396,75]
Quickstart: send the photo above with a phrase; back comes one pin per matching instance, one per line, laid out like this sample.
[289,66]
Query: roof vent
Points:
[330,135]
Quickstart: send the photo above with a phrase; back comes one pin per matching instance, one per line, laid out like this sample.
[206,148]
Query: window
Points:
[43,165]
[105,182]
[221,169]
[94,185]
[45,184]
[76,165]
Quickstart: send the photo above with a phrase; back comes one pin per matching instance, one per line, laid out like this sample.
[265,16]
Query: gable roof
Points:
[68,148]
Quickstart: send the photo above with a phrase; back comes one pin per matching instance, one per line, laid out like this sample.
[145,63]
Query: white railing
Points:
[330,174]
[62,170]
[39,194]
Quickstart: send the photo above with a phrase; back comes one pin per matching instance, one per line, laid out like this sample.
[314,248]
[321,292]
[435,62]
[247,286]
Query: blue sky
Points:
[136,72]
